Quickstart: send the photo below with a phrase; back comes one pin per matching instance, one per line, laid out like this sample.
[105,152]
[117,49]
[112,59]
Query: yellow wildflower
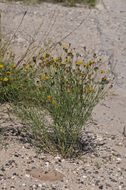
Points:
[64,47]
[100,58]
[84,65]
[104,78]
[47,78]
[102,71]
[48,97]
[63,63]
[66,81]
[44,56]
[27,67]
[68,60]
[1,66]
[68,91]
[91,62]
[79,63]
[56,58]
[42,78]
[90,89]
[47,62]
[13,66]
[53,101]
[5,79]
[8,72]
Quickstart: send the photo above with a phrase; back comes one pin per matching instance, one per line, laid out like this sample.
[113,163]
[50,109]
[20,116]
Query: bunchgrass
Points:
[65,2]
[53,95]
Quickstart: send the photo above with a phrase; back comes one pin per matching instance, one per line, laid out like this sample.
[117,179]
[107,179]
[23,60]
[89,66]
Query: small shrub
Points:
[64,89]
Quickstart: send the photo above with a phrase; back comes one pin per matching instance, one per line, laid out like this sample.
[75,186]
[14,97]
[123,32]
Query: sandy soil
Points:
[103,30]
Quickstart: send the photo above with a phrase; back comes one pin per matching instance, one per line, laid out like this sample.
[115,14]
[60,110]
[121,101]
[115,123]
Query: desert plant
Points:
[65,88]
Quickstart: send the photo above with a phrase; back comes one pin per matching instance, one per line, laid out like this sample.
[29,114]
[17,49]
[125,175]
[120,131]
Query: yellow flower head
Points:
[63,63]
[5,79]
[66,81]
[48,97]
[90,89]
[102,71]
[104,78]
[47,78]
[44,56]
[64,47]
[8,72]
[1,66]
[68,60]
[84,65]
[47,62]
[56,58]
[53,101]
[79,63]
[100,58]
[91,62]
[27,67]
[42,78]
[68,91]
[13,66]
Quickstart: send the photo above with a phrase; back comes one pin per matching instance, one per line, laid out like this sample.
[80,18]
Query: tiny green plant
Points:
[54,95]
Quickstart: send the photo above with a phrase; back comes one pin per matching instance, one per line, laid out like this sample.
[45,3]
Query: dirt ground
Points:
[102,30]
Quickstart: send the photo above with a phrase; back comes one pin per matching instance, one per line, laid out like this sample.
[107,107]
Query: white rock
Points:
[118,159]
[57,157]
[40,185]
[27,175]
[84,176]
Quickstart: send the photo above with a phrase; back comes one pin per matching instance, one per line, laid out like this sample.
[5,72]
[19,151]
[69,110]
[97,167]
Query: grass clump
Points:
[66,2]
[90,3]
[54,95]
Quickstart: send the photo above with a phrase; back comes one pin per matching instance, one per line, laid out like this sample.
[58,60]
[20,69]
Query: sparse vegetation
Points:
[64,2]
